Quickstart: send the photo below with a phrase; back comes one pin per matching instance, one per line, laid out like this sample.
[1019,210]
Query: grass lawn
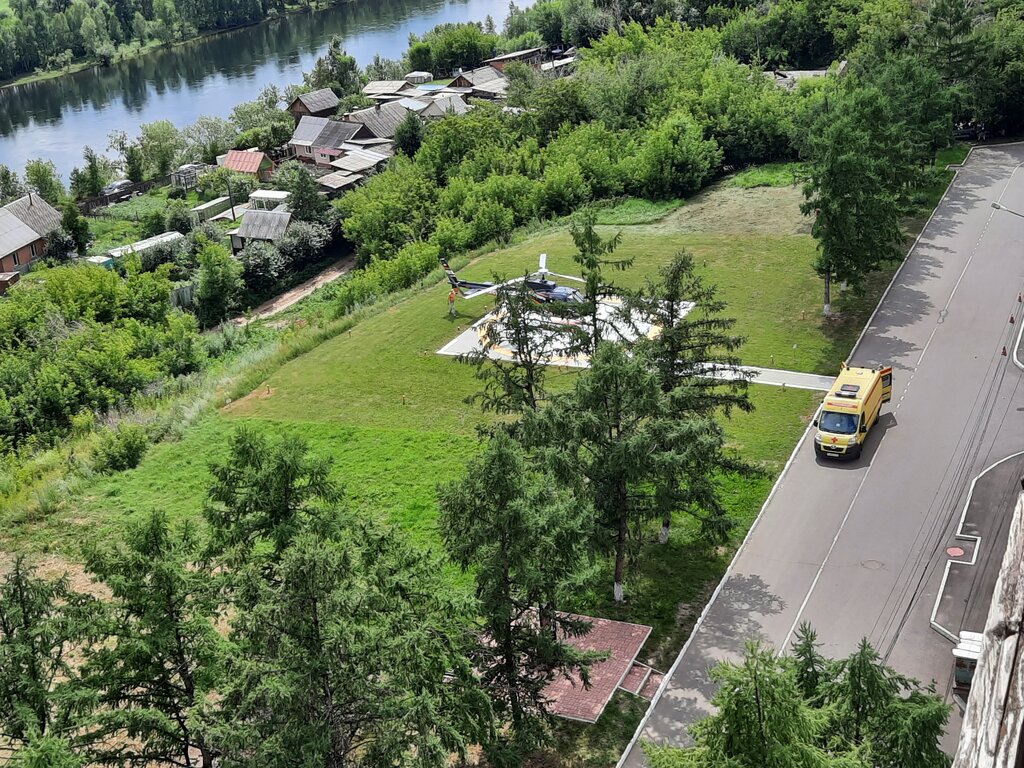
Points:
[769,175]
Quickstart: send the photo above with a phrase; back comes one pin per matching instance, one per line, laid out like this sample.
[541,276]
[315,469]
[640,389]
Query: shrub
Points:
[303,241]
[121,448]
[383,276]
[179,219]
[262,266]
[675,159]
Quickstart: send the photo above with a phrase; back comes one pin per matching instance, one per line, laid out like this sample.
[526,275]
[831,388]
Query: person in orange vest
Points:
[451,301]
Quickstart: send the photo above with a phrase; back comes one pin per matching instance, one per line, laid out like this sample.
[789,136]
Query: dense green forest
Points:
[50,34]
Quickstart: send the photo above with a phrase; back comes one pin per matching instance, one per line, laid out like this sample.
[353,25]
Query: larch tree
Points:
[46,752]
[351,653]
[43,624]
[695,361]
[161,654]
[760,721]
[613,439]
[532,337]
[849,194]
[807,711]
[594,256]
[526,544]
[264,494]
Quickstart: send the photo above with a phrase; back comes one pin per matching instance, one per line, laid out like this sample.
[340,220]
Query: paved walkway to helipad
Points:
[469,341]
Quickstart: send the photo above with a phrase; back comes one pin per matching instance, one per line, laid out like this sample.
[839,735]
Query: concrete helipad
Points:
[473,338]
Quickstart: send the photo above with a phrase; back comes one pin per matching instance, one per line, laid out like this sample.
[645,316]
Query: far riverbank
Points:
[55,118]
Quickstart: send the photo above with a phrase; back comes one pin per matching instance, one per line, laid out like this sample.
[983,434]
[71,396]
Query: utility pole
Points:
[231,198]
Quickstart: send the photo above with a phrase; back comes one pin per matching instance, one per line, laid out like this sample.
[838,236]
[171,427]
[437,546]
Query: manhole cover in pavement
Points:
[955,551]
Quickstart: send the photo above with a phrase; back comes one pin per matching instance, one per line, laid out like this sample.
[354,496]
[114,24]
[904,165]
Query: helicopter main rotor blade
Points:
[493,288]
[568,277]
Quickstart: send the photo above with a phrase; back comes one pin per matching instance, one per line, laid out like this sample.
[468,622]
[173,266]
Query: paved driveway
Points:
[859,549]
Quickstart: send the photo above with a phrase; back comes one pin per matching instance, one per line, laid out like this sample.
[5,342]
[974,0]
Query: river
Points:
[54,119]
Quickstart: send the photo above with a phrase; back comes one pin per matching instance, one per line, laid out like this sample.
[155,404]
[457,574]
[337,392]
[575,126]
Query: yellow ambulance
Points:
[850,410]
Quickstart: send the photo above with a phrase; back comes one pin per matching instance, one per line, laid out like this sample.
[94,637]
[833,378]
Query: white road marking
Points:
[835,539]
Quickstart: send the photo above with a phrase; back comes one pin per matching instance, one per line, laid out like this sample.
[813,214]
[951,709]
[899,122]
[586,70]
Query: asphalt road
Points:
[858,549]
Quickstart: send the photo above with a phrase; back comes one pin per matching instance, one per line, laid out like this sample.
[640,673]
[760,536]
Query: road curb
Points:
[782,476]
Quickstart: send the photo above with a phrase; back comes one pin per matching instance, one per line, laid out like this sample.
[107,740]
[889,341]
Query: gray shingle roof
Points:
[263,225]
[483,75]
[382,120]
[36,213]
[308,129]
[336,133]
[319,101]
[14,233]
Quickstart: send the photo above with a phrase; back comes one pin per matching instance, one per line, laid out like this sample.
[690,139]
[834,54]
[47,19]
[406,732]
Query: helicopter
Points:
[542,289]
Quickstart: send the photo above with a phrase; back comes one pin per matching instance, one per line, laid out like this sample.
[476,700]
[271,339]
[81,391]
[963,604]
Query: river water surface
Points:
[55,119]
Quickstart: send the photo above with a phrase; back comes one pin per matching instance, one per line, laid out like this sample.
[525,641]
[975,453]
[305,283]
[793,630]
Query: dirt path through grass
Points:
[280,303]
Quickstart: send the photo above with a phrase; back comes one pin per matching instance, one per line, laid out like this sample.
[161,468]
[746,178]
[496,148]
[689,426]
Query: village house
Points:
[418,78]
[483,82]
[320,103]
[532,57]
[24,225]
[382,120]
[318,140]
[260,226]
[359,161]
[386,90]
[249,161]
[441,105]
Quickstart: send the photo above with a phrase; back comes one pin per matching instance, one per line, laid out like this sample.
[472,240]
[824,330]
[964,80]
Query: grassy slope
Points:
[391,411]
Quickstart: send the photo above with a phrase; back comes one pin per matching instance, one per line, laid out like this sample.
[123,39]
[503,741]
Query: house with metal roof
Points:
[359,161]
[24,225]
[320,103]
[382,120]
[530,56]
[319,140]
[386,89]
[251,162]
[443,105]
[485,82]
[417,78]
[264,226]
